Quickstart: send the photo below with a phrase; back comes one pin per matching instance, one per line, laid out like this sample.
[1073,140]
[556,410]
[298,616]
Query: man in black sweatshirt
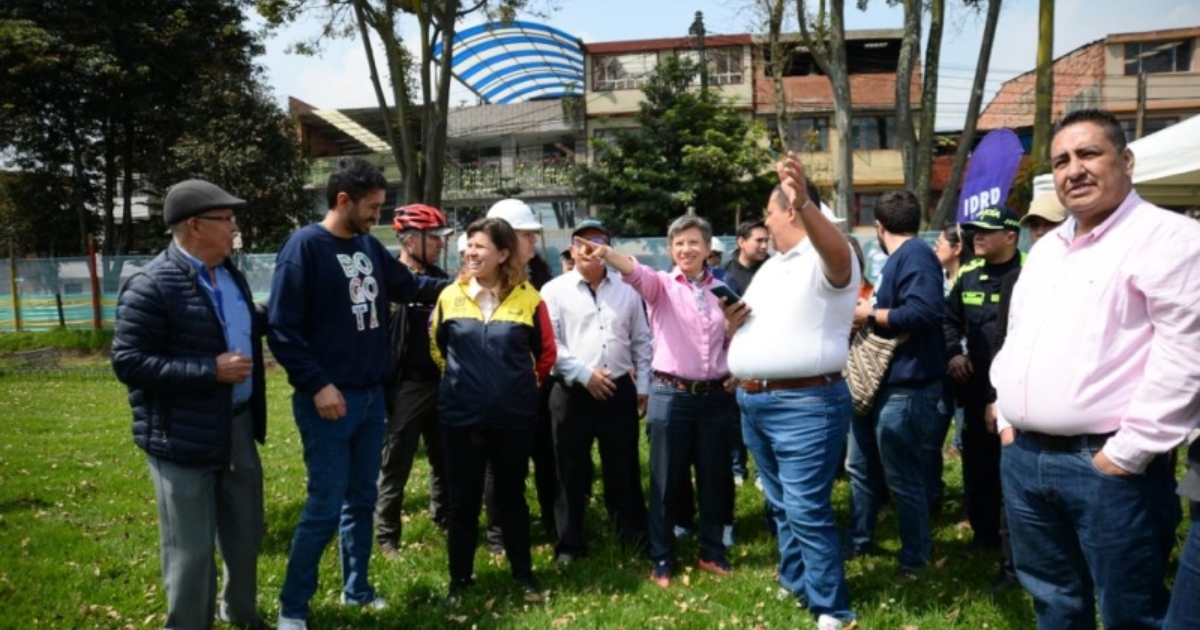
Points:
[328,321]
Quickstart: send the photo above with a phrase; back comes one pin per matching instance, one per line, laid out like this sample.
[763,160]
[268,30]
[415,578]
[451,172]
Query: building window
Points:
[724,64]
[622,72]
[1156,57]
[873,132]
[804,134]
[864,208]
[1151,125]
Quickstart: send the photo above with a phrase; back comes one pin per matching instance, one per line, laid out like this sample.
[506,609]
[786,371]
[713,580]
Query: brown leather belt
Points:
[758,386]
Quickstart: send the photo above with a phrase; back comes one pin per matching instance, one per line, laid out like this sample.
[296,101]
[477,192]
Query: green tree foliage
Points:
[690,150]
[241,141]
[97,93]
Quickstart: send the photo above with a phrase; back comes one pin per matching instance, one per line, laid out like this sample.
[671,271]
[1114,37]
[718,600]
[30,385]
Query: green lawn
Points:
[79,538]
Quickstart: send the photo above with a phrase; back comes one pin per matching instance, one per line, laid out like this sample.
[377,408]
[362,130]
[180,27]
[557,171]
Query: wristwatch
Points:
[871,318]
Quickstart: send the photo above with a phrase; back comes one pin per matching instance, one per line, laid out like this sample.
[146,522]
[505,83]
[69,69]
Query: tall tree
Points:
[933,55]
[1045,87]
[826,42]
[690,150]
[98,93]
[910,51]
[242,141]
[420,158]
[777,56]
[948,202]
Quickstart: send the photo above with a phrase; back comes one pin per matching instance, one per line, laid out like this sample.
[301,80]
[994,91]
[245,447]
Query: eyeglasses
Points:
[229,219]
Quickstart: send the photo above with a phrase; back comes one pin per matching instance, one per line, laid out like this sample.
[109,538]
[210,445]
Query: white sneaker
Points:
[727,537]
[378,603]
[826,622]
[286,623]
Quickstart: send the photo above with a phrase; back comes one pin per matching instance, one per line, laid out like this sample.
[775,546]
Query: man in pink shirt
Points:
[1098,380]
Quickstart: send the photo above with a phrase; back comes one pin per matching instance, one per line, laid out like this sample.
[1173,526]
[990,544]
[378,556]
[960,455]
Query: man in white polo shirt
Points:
[790,344]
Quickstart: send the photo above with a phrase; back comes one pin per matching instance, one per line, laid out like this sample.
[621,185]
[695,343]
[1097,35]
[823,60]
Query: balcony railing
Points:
[474,180]
[531,177]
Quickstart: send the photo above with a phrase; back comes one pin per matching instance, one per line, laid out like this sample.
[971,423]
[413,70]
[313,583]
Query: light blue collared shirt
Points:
[234,313]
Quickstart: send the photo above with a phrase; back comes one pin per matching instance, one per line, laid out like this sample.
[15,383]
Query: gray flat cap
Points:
[193,196]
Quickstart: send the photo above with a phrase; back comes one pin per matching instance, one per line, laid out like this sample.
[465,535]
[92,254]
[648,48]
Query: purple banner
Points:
[990,174]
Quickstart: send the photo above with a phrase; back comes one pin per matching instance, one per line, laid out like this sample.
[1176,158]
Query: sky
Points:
[339,78]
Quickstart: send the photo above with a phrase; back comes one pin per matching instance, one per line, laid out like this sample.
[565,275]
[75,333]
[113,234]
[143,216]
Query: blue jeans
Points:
[886,450]
[1080,536]
[342,460]
[934,440]
[796,438]
[1184,612]
[684,429]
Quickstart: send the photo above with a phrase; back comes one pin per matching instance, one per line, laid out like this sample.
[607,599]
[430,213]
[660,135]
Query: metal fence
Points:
[59,291]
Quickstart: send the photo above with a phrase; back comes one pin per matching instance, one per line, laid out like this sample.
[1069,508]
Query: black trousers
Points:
[981,475]
[578,420]
[469,453]
[413,417]
[545,478]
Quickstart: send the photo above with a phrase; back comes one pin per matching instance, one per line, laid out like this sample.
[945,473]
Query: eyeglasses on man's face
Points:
[227,219]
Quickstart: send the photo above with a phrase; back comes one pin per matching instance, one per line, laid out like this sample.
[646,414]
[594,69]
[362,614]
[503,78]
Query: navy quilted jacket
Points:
[164,349]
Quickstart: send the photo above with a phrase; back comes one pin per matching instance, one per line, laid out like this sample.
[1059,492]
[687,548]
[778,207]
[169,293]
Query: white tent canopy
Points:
[1166,164]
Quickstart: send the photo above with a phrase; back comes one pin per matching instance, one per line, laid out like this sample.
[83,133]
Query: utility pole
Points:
[1140,124]
[697,30]
[1045,87]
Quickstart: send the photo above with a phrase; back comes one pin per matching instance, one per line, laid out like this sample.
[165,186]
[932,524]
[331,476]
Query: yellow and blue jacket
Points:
[491,371]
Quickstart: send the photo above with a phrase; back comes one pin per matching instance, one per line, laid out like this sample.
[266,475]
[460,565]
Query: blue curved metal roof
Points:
[516,62]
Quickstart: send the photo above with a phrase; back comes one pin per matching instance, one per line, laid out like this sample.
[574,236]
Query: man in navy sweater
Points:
[328,319]
[885,446]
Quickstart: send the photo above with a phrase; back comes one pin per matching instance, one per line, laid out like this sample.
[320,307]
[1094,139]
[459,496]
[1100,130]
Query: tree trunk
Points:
[110,187]
[1045,87]
[933,53]
[384,110]
[438,110]
[949,200]
[127,190]
[910,49]
[829,52]
[780,56]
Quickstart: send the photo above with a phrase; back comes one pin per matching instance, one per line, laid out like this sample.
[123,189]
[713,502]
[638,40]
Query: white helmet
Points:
[461,244]
[717,246]
[518,214]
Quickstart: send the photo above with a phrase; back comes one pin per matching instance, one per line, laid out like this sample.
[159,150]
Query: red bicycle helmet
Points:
[418,216]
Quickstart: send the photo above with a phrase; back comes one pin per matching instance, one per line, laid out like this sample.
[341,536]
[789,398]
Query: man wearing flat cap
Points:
[601,385]
[971,311]
[188,346]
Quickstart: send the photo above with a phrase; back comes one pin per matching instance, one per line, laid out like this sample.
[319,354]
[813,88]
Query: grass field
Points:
[79,538]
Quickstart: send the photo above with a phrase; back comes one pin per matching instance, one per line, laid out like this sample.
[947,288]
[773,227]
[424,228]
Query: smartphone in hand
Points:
[723,291]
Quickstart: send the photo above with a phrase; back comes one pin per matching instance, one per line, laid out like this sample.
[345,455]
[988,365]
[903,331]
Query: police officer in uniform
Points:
[971,311]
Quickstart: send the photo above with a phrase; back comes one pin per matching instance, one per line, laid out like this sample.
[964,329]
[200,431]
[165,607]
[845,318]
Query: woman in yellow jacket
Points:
[494,343]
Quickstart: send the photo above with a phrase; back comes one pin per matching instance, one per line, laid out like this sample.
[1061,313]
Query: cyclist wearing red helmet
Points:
[412,382]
